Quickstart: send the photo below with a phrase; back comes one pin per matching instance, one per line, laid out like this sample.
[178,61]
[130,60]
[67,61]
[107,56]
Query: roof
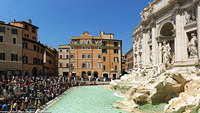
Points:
[25,23]
[11,25]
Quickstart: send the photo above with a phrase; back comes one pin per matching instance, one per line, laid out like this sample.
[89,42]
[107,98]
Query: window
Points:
[99,48]
[99,56]
[60,64]
[115,68]
[99,64]
[38,61]
[26,26]
[34,47]
[99,42]
[116,51]
[49,61]
[115,59]
[89,48]
[26,35]
[42,50]
[104,67]
[14,41]
[104,58]
[104,43]
[104,50]
[67,65]
[72,65]
[93,42]
[1,38]
[83,41]
[78,42]
[83,55]
[83,65]
[60,56]
[83,48]
[14,57]
[73,42]
[60,50]
[33,29]
[89,56]
[71,55]
[42,62]
[34,61]
[89,64]
[67,50]
[2,29]
[67,56]
[2,56]
[38,48]
[14,31]
[88,41]
[72,48]
[116,44]
[33,37]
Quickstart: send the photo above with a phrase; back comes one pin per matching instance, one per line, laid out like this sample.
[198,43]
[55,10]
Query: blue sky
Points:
[59,20]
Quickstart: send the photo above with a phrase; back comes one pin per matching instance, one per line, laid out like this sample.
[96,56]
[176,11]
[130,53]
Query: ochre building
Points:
[95,56]
[38,59]
[63,62]
[10,49]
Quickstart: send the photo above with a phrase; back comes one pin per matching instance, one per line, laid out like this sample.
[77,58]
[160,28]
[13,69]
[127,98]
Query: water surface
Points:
[95,99]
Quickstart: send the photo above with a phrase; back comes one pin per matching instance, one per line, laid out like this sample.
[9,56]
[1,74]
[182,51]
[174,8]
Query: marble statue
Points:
[165,49]
[192,46]
[190,16]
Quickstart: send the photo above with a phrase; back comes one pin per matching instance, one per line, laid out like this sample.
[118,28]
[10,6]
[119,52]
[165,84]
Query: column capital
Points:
[153,24]
[178,11]
[196,3]
[144,30]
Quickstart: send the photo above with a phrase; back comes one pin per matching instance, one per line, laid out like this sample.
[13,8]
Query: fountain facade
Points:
[166,47]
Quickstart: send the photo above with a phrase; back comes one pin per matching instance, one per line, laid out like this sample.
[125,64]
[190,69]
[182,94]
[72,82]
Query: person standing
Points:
[4,106]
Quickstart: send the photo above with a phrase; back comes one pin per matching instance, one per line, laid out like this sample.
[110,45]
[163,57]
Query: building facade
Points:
[10,49]
[38,59]
[63,62]
[168,34]
[95,56]
[129,59]
[50,61]
[32,49]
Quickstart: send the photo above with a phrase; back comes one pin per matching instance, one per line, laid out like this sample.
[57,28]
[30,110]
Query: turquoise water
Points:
[86,100]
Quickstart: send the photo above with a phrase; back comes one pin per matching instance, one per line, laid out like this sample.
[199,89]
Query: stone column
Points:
[154,44]
[160,53]
[179,39]
[198,26]
[145,53]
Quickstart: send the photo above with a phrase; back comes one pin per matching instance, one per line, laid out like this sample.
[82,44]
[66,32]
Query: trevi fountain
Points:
[166,46]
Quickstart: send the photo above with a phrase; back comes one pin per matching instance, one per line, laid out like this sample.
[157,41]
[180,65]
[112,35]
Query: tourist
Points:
[4,106]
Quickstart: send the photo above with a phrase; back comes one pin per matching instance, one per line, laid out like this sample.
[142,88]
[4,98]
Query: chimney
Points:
[101,33]
[14,20]
[29,21]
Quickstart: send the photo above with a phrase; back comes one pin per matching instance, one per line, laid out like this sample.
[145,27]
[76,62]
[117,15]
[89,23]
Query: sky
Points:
[59,20]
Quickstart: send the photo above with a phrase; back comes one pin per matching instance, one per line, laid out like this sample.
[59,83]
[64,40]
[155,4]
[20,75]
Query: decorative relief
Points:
[147,11]
[190,16]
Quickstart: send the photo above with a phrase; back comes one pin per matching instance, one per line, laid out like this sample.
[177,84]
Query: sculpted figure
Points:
[165,49]
[192,46]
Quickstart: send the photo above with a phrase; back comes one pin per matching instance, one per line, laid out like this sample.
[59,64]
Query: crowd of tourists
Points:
[27,93]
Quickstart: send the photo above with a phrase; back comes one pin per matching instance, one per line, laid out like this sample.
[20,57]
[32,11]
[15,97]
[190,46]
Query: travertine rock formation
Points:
[180,88]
